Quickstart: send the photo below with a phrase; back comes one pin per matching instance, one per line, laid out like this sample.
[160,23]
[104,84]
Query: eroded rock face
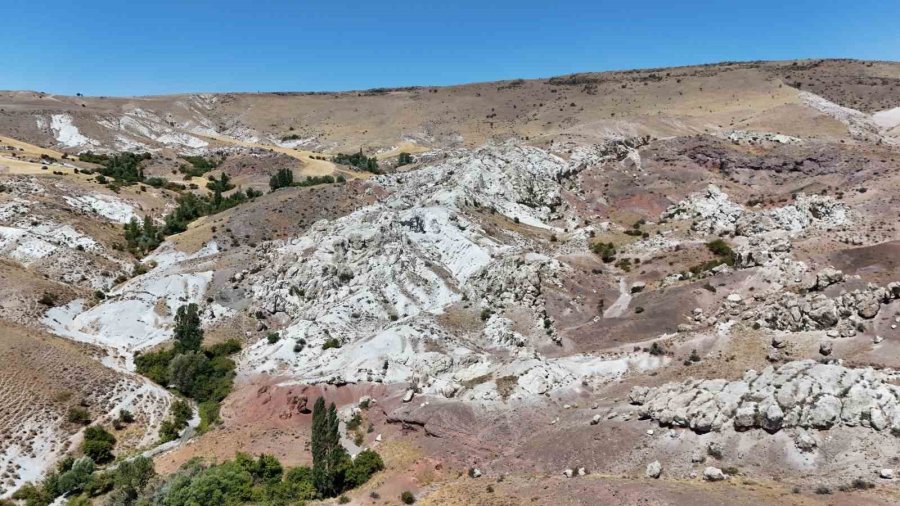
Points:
[815,311]
[801,394]
[372,285]
[714,213]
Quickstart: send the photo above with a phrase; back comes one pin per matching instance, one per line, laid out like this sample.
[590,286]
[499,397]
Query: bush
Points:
[155,365]
[364,466]
[273,337]
[607,251]
[75,478]
[98,444]
[407,497]
[404,159]
[722,250]
[657,349]
[156,182]
[225,484]
[209,414]
[331,343]
[49,299]
[78,415]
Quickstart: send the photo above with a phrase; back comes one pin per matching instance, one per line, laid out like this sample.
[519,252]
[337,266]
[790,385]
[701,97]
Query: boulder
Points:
[805,442]
[827,277]
[713,474]
[654,469]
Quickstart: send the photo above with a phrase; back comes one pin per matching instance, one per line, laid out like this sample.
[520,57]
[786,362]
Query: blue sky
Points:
[104,47]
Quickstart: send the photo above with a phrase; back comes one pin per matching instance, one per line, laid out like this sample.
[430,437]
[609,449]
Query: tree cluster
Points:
[358,160]
[333,471]
[202,374]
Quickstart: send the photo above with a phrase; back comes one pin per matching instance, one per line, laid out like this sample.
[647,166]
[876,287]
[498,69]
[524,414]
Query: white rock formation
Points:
[800,394]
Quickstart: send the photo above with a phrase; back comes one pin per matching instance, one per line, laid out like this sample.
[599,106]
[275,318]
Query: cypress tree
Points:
[188,334]
[330,460]
[319,451]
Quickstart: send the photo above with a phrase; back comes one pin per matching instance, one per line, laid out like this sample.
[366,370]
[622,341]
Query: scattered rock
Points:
[654,469]
[713,474]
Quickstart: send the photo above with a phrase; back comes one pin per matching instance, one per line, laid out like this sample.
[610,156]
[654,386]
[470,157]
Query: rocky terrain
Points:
[666,285]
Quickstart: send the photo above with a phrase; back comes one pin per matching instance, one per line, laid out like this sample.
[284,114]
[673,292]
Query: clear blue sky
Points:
[132,47]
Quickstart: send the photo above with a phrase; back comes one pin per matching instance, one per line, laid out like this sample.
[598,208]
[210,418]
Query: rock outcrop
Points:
[800,394]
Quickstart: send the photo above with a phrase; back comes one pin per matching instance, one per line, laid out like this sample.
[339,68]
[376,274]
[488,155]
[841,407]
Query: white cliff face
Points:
[66,132]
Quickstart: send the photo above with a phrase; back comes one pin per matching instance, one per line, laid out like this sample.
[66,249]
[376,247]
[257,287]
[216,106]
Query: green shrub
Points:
[407,497]
[364,466]
[607,251]
[98,444]
[722,250]
[78,415]
[49,299]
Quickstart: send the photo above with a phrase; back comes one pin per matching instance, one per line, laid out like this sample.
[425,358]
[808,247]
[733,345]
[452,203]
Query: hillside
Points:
[668,285]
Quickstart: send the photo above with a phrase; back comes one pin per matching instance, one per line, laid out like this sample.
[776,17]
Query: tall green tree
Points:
[330,460]
[281,179]
[188,333]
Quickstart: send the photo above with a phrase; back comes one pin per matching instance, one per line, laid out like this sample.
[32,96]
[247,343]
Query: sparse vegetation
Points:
[285,178]
[143,237]
[198,166]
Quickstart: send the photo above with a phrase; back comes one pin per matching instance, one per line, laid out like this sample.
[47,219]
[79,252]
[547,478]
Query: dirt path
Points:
[621,304]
